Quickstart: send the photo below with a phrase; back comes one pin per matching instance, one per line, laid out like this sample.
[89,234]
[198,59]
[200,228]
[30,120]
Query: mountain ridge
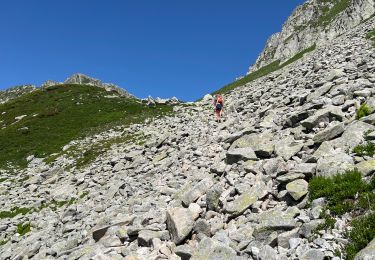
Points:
[314,22]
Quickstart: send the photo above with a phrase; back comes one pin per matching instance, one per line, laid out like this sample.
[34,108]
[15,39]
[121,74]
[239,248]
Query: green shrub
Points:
[3,242]
[365,149]
[370,35]
[23,229]
[363,231]
[329,222]
[341,191]
[329,14]
[363,111]
[14,212]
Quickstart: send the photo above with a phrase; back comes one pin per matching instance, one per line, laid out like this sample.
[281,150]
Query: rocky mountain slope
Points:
[185,187]
[316,22]
[15,92]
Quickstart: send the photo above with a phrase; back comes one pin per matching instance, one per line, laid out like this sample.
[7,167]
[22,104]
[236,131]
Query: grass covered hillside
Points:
[264,71]
[42,122]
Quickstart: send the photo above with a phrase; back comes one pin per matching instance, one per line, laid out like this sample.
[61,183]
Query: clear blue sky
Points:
[158,47]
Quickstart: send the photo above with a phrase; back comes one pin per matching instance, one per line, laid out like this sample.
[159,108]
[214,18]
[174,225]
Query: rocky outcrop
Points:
[15,92]
[82,79]
[314,22]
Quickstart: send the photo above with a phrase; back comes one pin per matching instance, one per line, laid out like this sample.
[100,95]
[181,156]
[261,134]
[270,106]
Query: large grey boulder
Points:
[197,191]
[308,169]
[329,133]
[283,238]
[238,154]
[211,249]
[244,201]
[287,147]
[145,236]
[368,253]
[319,91]
[297,189]
[274,166]
[277,219]
[369,119]
[180,222]
[267,253]
[295,117]
[327,114]
[313,254]
[334,163]
[353,135]
[261,143]
[334,74]
[366,167]
[213,198]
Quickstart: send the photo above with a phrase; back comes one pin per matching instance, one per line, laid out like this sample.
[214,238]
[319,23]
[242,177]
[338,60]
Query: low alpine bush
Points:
[342,191]
[363,231]
[363,111]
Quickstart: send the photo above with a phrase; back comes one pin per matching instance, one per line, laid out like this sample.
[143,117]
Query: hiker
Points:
[218,107]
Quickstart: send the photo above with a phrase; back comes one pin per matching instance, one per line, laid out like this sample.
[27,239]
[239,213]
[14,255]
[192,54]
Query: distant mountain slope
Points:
[314,22]
[41,122]
[14,92]
[311,25]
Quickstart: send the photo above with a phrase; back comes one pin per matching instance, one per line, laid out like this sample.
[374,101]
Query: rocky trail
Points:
[197,189]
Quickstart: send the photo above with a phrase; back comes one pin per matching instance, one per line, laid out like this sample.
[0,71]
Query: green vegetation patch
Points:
[3,242]
[348,193]
[59,114]
[14,212]
[330,13]
[363,231]
[250,77]
[264,71]
[344,192]
[367,149]
[23,229]
[371,36]
[298,56]
[362,111]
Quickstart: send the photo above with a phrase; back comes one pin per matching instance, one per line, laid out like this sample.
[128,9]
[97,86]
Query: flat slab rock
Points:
[277,219]
[366,167]
[180,222]
[238,154]
[210,249]
[297,189]
[244,201]
[367,253]
[197,191]
[261,144]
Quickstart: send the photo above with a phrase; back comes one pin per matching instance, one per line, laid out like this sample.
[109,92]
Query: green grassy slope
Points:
[59,114]
[264,71]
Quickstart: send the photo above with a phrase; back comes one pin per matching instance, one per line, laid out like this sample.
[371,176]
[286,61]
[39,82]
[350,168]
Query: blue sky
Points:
[149,47]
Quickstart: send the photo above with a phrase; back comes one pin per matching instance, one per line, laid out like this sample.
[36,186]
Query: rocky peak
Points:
[314,22]
[79,78]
